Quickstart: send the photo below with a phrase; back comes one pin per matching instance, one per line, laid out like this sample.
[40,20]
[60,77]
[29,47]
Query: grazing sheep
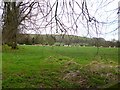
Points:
[109,46]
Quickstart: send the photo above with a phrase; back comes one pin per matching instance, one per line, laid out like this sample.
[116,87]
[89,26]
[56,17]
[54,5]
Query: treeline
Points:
[60,40]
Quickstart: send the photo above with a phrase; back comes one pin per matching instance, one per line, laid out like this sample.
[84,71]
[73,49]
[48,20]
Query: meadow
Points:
[59,67]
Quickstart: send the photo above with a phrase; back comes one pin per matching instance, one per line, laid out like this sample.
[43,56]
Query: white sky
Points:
[101,12]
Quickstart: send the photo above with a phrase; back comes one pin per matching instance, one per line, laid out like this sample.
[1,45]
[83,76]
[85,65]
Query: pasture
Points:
[59,67]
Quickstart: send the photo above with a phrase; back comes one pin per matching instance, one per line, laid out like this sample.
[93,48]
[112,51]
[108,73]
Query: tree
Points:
[61,16]
[13,15]
[10,27]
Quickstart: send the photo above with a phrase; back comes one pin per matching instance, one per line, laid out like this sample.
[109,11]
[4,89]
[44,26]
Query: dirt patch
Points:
[72,74]
[101,72]
[75,77]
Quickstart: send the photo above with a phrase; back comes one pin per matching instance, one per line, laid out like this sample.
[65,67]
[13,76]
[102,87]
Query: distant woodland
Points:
[61,40]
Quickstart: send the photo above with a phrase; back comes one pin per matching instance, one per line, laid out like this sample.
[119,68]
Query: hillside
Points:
[51,39]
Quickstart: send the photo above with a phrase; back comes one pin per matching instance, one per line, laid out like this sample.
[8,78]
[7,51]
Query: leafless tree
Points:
[14,14]
[61,16]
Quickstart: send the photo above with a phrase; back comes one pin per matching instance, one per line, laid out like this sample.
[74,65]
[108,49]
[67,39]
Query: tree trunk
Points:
[10,27]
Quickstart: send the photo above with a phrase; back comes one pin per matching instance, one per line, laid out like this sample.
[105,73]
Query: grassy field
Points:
[64,67]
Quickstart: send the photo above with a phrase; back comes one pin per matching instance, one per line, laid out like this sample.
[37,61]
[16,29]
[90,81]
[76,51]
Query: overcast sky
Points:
[103,10]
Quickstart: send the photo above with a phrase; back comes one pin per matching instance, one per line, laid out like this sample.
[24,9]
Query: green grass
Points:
[50,67]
